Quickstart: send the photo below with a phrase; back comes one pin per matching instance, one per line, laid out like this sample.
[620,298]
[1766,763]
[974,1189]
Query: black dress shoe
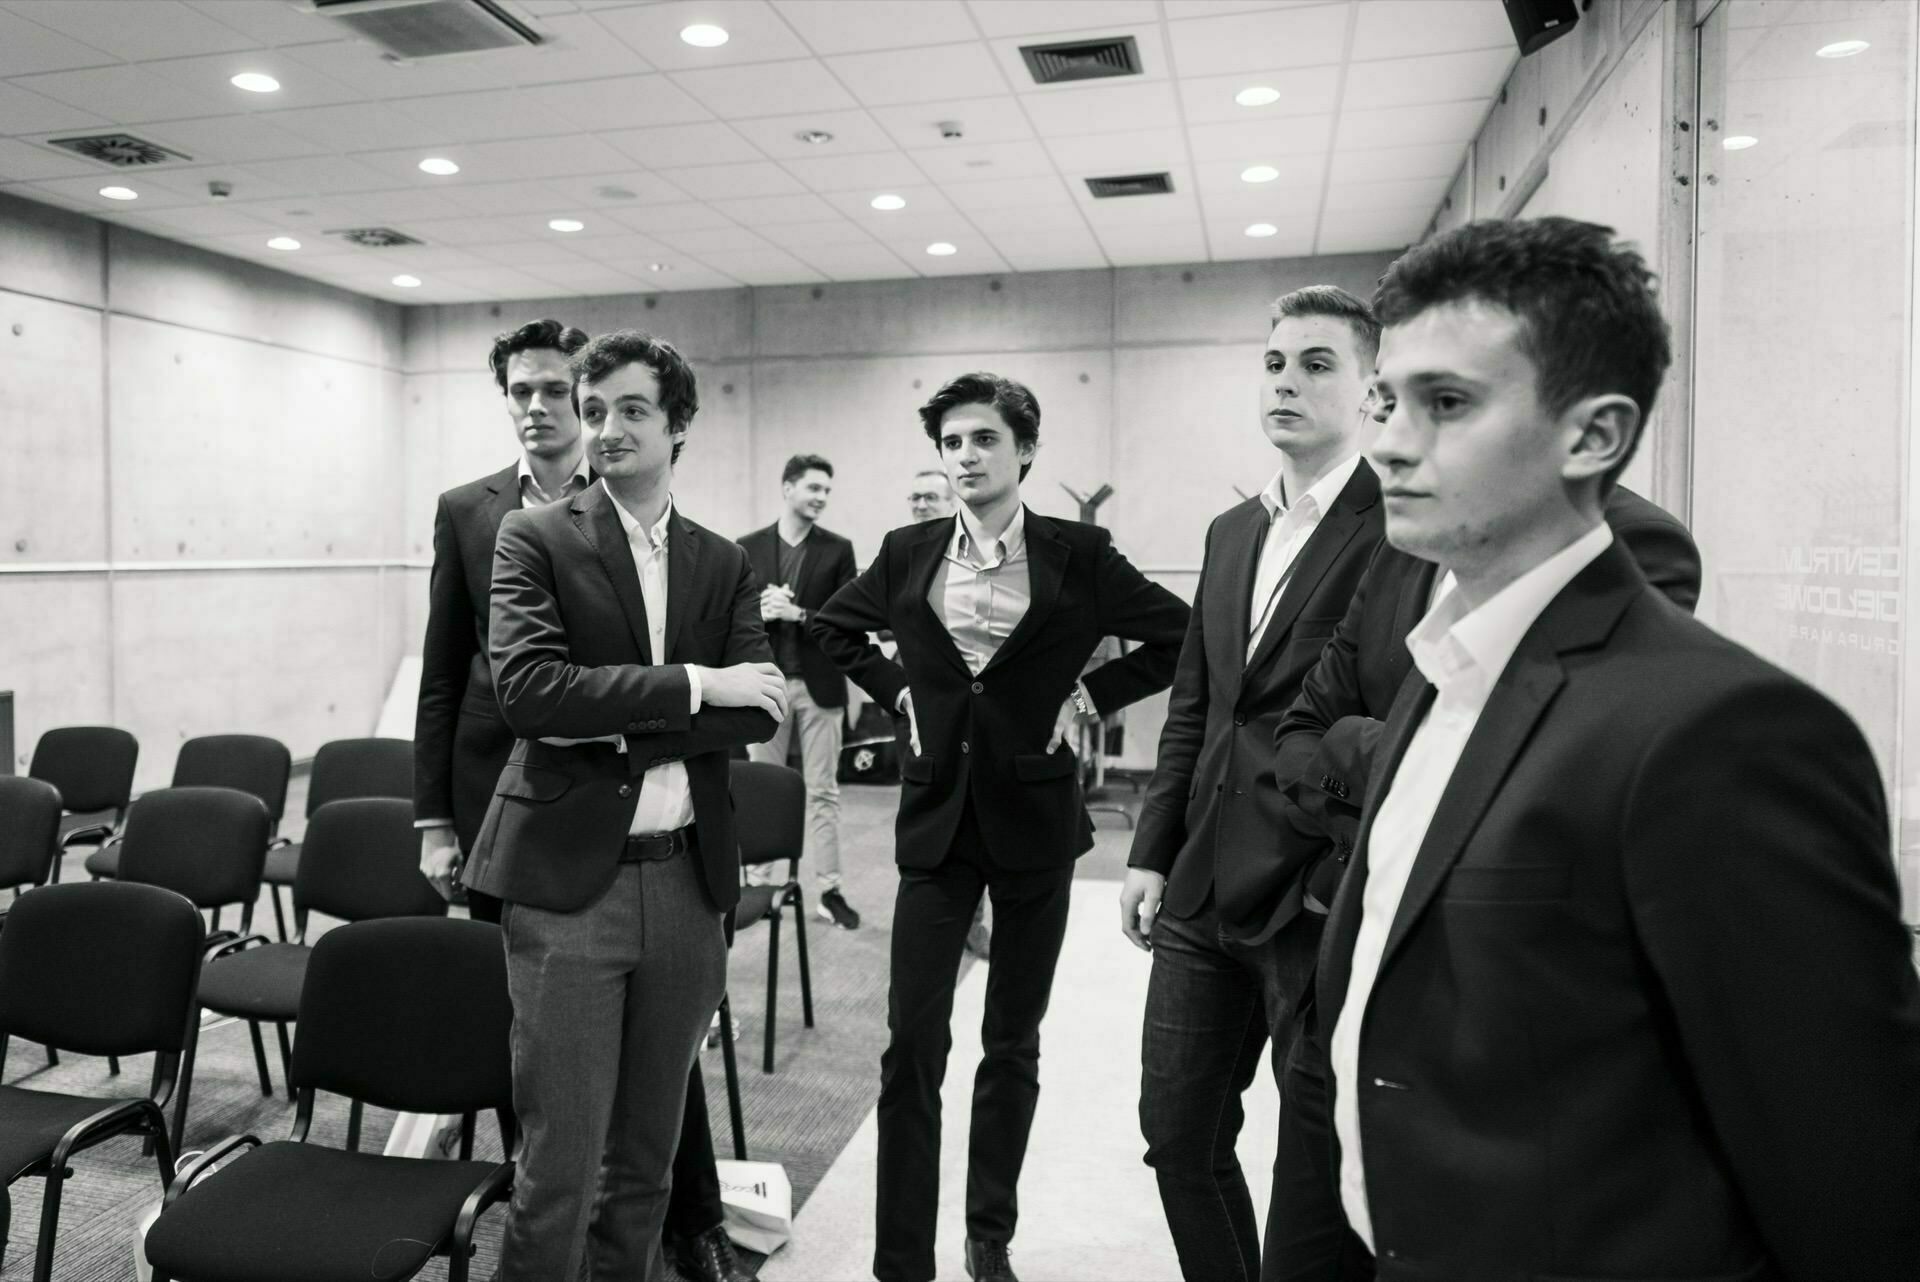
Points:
[987,1262]
[709,1257]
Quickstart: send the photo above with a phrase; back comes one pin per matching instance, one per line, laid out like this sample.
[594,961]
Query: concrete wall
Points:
[1147,380]
[200,516]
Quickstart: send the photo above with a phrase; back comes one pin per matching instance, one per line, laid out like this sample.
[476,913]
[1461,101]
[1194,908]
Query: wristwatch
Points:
[1080,701]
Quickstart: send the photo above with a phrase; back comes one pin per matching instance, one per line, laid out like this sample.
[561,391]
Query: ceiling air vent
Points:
[375,237]
[430,28]
[1082,60]
[1130,185]
[122,151]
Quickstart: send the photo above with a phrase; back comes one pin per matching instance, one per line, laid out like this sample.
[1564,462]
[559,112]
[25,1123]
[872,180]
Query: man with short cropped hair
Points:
[930,498]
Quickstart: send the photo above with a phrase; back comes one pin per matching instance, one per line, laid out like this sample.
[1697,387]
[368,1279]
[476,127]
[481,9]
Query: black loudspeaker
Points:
[1538,23]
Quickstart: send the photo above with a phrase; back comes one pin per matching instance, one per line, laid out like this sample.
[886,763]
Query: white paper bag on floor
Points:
[143,1271]
[759,1204]
[424,1135]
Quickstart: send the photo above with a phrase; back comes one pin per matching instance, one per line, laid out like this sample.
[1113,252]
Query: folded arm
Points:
[840,628]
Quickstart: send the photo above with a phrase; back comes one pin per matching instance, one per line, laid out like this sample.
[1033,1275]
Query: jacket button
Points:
[1219,787]
[626,790]
[633,725]
[1240,721]
[965,746]
[978,688]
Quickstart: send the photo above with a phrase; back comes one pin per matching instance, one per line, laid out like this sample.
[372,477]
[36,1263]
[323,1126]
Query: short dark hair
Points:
[1016,405]
[548,333]
[679,392]
[1331,300]
[800,464]
[1589,320]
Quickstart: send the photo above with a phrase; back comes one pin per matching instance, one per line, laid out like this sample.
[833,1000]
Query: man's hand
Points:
[439,858]
[905,705]
[746,685]
[776,605]
[1140,904]
[1063,723]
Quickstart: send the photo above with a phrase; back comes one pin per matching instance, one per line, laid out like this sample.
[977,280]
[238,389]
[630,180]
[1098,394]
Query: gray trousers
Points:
[610,1005]
[821,731]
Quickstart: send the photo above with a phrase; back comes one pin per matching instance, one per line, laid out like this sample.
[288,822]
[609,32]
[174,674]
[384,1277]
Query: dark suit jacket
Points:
[985,737]
[1647,1008]
[459,741]
[828,568]
[1324,743]
[572,659]
[1210,814]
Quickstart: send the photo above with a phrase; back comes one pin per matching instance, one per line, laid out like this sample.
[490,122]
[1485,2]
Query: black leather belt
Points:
[646,847]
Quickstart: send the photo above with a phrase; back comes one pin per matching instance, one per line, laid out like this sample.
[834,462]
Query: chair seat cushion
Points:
[32,1122]
[104,861]
[282,863]
[262,982]
[756,904]
[302,1213]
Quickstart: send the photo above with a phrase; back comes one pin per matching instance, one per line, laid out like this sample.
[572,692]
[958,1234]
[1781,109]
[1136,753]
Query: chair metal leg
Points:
[215,929]
[113,1063]
[260,1057]
[186,1077]
[734,1114]
[279,914]
[53,1058]
[286,1057]
[773,988]
[800,942]
[353,1127]
[246,920]
[49,1225]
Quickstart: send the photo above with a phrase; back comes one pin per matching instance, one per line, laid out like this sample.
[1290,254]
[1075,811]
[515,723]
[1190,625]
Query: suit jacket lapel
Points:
[505,487]
[597,521]
[763,553]
[1047,555]
[1229,589]
[1343,519]
[683,569]
[923,562]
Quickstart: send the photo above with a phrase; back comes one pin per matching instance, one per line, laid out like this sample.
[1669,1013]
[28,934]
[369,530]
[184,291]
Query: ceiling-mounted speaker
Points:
[1538,23]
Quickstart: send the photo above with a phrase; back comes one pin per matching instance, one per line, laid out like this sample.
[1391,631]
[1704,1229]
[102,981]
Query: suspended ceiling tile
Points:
[981,120]
[1445,77]
[124,94]
[919,75]
[671,146]
[858,26]
[766,89]
[816,235]
[1304,91]
[779,136]
[1102,109]
[764,211]
[1267,38]
[979,162]
[873,172]
[1050,17]
[1406,28]
[735,182]
[755,33]
[867,261]
[1136,152]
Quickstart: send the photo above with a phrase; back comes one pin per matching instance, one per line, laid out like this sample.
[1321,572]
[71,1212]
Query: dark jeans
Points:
[1212,1007]
[1307,1235]
[932,911]
[694,1205]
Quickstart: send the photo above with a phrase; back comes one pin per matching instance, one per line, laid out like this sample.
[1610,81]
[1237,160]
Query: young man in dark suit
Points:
[460,741]
[798,564]
[995,611]
[1615,983]
[1278,572]
[629,659]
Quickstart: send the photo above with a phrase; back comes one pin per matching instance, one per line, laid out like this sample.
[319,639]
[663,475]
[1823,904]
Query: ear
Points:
[1025,450]
[1601,432]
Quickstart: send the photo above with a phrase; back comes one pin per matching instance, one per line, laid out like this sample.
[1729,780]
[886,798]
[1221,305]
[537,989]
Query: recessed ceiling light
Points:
[1262,229]
[407,282]
[439,166]
[1257,96]
[1738,142]
[255,82]
[659,267]
[814,137]
[1259,174]
[1842,49]
[888,202]
[119,193]
[940,249]
[566,224]
[704,35]
[283,242]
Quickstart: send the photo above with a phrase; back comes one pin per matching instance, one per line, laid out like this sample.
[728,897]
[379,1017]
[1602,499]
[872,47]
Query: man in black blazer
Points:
[1278,573]
[1573,1025]
[797,565]
[996,612]
[629,659]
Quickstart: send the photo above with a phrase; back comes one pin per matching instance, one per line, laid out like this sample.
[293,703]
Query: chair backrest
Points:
[29,830]
[209,844]
[410,1013]
[360,860]
[92,766]
[249,762]
[102,968]
[360,768]
[769,811]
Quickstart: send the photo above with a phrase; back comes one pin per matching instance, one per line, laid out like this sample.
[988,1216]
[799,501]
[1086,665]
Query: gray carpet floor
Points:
[825,1080]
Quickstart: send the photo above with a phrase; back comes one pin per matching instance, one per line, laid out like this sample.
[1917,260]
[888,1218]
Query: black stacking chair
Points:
[29,831]
[407,1014]
[92,766]
[769,807]
[102,970]
[343,768]
[245,762]
[361,862]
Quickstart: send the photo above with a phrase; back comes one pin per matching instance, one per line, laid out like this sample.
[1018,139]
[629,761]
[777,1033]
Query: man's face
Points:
[981,454]
[807,494]
[1314,385]
[931,497]
[1469,459]
[628,428]
[539,389]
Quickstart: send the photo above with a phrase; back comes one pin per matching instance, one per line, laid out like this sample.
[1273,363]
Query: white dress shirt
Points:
[531,495]
[982,591]
[1288,529]
[665,802]
[1462,652]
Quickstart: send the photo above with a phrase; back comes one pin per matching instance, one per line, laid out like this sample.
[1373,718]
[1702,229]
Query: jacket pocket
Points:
[917,769]
[1523,883]
[1037,767]
[534,783]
